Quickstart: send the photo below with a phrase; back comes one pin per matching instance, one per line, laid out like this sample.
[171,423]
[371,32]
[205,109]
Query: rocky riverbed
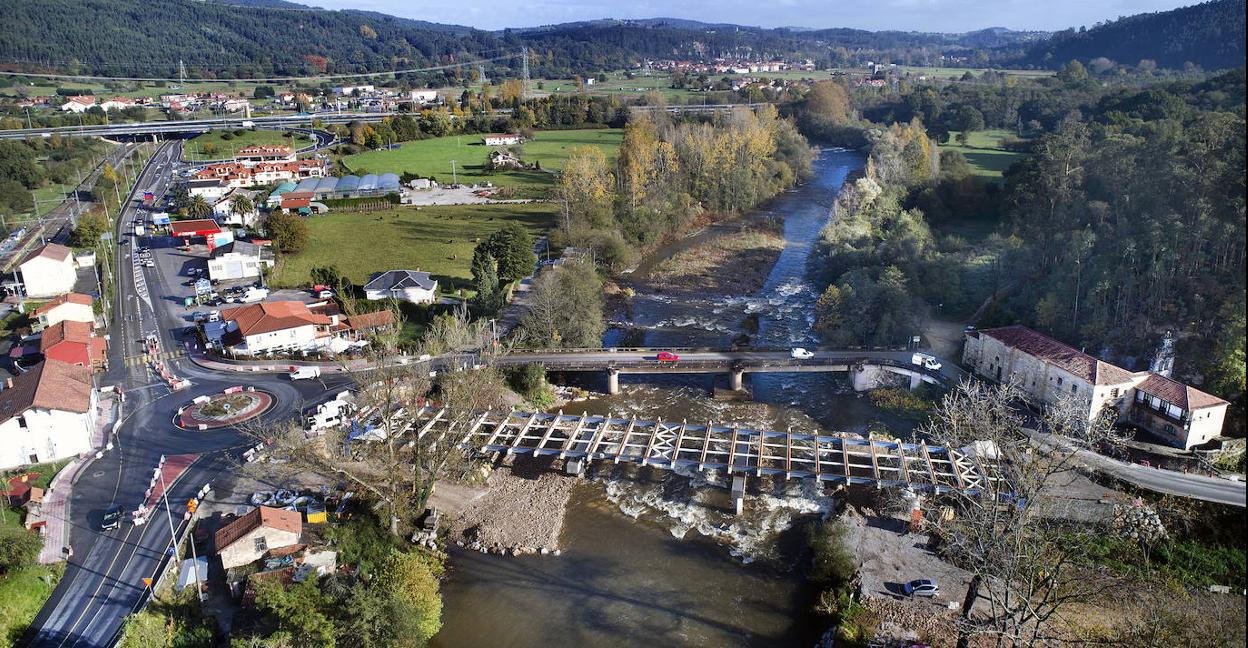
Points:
[520,513]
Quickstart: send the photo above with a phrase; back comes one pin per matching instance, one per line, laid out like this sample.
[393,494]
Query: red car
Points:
[667,356]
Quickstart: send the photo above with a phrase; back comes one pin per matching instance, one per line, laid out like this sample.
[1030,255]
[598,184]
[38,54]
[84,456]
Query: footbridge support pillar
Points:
[738,494]
[915,380]
[613,380]
[736,380]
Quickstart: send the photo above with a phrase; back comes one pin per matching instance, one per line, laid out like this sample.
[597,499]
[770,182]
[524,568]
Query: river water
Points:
[655,558]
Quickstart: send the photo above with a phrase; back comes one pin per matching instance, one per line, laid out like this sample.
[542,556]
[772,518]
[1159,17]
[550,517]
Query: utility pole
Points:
[524,67]
[181,73]
[454,178]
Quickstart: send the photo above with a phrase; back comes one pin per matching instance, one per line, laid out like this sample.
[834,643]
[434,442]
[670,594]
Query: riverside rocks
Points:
[521,514]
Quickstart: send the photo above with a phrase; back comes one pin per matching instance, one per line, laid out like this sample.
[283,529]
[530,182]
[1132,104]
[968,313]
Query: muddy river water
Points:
[656,559]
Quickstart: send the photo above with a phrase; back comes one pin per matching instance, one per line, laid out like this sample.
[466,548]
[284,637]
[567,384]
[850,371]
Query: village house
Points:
[212,189]
[359,89]
[46,414]
[74,307]
[233,105]
[405,285]
[49,271]
[502,139]
[78,103]
[250,155]
[117,103]
[239,260]
[223,210]
[295,327]
[1047,372]
[238,175]
[250,537]
[74,343]
[423,96]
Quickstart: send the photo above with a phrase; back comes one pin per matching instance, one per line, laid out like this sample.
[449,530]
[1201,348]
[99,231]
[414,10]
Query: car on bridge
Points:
[667,356]
[801,354]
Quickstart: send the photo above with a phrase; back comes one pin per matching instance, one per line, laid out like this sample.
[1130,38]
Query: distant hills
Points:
[1210,35]
[245,38]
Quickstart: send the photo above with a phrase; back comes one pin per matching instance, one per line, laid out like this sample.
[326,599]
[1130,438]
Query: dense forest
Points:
[1210,35]
[1126,221]
[223,40]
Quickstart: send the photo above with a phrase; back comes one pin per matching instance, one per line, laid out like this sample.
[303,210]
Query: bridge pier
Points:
[738,494]
[915,381]
[613,380]
[735,380]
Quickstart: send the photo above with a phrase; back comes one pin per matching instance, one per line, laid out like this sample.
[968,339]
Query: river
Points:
[654,558]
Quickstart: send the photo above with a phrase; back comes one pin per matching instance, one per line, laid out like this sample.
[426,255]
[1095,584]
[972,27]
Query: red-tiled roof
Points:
[261,149]
[1078,363]
[68,298]
[263,516]
[295,203]
[1175,392]
[53,251]
[51,385]
[267,317]
[369,321]
[74,342]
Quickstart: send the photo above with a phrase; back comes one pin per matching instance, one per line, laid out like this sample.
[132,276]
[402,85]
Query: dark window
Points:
[1113,393]
[1059,380]
[1074,389]
[34,458]
[261,545]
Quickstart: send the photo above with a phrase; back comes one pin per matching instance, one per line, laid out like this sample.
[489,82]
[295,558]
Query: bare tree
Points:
[1021,560]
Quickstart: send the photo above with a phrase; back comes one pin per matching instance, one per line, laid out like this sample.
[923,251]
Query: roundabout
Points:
[228,408]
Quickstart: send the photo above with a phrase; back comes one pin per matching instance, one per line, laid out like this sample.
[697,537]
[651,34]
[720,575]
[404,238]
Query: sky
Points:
[875,15]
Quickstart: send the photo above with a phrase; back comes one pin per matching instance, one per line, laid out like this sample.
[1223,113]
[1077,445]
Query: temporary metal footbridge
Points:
[735,450]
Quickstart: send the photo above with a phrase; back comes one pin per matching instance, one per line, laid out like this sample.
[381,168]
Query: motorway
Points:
[195,125]
[103,581]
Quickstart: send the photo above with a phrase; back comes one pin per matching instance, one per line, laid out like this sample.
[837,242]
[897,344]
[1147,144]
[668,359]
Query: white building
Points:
[117,103]
[502,139]
[294,327]
[239,260]
[78,104]
[406,285]
[46,414]
[423,96]
[224,212]
[1047,372]
[211,189]
[346,90]
[49,271]
[72,307]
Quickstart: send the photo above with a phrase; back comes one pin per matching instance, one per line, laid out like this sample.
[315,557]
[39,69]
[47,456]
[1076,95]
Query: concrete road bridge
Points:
[194,126]
[862,364]
[739,452]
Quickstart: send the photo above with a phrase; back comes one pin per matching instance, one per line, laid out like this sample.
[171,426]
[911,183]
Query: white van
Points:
[304,373]
[926,361]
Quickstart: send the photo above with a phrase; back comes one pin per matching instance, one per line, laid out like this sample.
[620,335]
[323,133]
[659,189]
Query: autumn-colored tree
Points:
[829,100]
[584,186]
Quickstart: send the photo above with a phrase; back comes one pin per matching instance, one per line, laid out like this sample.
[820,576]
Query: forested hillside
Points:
[1126,221]
[1210,35]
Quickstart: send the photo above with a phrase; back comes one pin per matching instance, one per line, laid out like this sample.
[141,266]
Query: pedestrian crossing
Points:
[139,360]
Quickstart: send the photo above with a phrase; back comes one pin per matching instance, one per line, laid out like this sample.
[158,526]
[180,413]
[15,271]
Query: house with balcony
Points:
[1048,371]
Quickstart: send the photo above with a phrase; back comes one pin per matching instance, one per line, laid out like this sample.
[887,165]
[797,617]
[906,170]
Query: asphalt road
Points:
[104,580]
[193,125]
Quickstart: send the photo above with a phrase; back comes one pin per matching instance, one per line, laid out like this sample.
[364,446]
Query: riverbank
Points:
[737,263]
[520,512]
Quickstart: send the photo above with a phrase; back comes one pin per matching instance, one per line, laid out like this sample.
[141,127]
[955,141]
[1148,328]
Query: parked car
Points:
[801,354]
[667,356]
[112,518]
[921,587]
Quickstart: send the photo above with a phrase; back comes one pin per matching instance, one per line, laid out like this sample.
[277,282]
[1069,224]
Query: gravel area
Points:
[521,513]
[889,557]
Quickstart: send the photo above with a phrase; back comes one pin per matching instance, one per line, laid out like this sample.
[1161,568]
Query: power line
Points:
[319,77]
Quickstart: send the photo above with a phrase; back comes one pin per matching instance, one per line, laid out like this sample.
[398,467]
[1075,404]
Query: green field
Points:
[438,240]
[982,151]
[195,148]
[432,158]
[49,198]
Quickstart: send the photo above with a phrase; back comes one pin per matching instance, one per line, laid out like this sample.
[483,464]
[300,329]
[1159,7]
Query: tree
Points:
[485,280]
[828,100]
[198,207]
[299,609]
[18,548]
[1020,559]
[410,580]
[241,206]
[90,226]
[584,186]
[288,231]
[512,249]
[565,308]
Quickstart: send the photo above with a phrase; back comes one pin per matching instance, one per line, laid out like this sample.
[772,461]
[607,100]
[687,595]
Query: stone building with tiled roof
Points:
[248,538]
[1048,371]
[46,414]
[293,327]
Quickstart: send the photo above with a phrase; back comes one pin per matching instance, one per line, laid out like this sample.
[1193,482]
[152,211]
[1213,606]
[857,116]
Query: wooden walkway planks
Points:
[794,455]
